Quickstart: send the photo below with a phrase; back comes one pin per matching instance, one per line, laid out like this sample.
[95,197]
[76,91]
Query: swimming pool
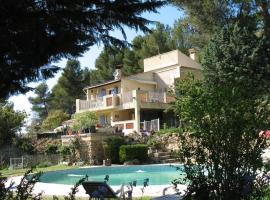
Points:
[157,174]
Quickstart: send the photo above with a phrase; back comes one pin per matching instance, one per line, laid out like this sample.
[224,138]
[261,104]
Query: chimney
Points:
[193,54]
[117,73]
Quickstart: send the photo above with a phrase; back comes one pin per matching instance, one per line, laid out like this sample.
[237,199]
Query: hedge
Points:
[111,148]
[131,152]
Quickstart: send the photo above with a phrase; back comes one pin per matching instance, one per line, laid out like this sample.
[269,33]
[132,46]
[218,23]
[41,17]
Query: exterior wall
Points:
[160,61]
[186,61]
[94,92]
[129,85]
[172,58]
[123,115]
[148,76]
[165,78]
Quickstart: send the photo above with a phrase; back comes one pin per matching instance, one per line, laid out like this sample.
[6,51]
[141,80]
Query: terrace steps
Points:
[164,157]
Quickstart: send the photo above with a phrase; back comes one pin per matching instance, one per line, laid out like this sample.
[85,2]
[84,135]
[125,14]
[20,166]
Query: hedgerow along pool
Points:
[157,174]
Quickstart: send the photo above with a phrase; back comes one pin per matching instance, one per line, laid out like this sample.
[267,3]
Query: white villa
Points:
[130,102]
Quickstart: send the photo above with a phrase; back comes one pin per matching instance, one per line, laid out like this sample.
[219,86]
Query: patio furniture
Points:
[98,190]
[101,190]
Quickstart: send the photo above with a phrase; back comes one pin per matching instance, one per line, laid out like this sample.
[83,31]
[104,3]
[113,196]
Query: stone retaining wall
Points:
[91,149]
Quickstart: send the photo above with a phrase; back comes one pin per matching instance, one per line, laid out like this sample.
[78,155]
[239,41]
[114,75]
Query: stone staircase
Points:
[163,157]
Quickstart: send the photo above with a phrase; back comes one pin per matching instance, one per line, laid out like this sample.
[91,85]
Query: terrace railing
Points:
[127,98]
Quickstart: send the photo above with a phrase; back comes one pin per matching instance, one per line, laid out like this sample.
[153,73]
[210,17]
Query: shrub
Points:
[131,152]
[65,151]
[24,144]
[54,119]
[44,164]
[170,131]
[111,148]
[51,149]
[84,120]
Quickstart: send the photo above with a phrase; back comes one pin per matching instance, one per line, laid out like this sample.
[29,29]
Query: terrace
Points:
[125,101]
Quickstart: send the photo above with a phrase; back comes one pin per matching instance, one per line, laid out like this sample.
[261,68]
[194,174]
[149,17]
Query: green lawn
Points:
[62,198]
[18,172]
[85,198]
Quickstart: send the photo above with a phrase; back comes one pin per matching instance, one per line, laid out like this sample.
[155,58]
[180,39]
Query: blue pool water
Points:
[157,174]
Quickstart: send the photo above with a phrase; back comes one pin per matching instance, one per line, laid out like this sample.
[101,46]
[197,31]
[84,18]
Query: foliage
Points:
[11,122]
[40,101]
[107,61]
[71,152]
[42,145]
[51,149]
[63,29]
[84,120]
[222,117]
[33,128]
[25,145]
[207,17]
[111,148]
[131,152]
[24,189]
[261,188]
[65,152]
[44,164]
[54,119]
[169,131]
[69,87]
[245,61]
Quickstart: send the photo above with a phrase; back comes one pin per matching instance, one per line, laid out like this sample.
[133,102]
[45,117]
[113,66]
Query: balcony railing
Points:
[111,101]
[100,103]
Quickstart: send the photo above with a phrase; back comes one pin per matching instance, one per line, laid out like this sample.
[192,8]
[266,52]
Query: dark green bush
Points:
[51,149]
[44,164]
[24,144]
[111,148]
[131,152]
[65,151]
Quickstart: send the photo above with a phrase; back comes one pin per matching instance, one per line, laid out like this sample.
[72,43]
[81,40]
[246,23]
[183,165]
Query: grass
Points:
[86,198]
[62,198]
[18,172]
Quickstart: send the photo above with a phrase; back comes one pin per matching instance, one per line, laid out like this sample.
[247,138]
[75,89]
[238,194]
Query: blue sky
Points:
[167,15]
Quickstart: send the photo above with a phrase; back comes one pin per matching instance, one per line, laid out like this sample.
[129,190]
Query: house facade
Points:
[129,103]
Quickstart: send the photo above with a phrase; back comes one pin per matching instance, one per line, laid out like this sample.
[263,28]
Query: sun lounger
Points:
[99,190]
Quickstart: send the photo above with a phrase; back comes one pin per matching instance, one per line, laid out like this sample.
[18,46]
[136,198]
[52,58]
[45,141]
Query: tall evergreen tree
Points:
[34,34]
[131,63]
[11,122]
[208,16]
[40,101]
[68,88]
[106,63]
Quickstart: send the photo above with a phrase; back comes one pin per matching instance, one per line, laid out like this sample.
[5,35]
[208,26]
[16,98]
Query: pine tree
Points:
[131,63]
[40,101]
[106,63]
[11,122]
[68,88]
[208,16]
[35,34]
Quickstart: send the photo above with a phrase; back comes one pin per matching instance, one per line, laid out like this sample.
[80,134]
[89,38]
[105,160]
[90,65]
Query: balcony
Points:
[125,100]
[105,102]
